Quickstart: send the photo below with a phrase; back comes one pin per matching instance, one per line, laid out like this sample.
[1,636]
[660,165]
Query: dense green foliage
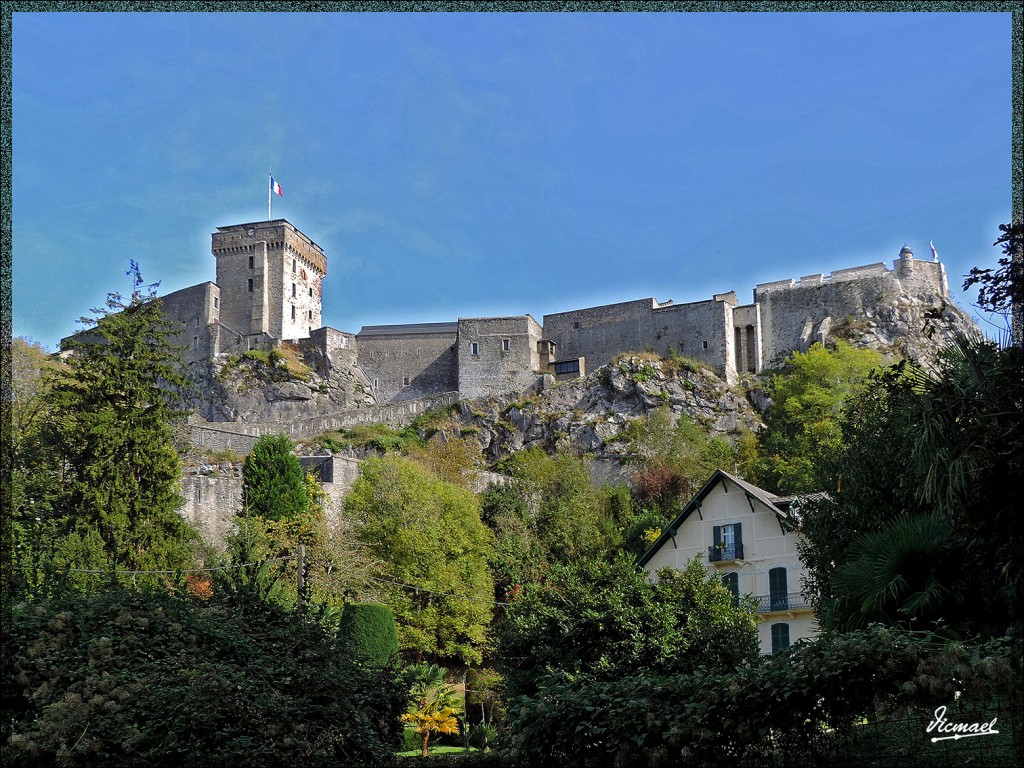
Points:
[933,530]
[335,566]
[433,550]
[150,678]
[673,457]
[273,483]
[367,631]
[96,470]
[643,530]
[802,707]
[596,619]
[550,512]
[803,422]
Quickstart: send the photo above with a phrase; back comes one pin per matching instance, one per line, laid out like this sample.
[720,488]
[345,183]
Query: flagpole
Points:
[270,193]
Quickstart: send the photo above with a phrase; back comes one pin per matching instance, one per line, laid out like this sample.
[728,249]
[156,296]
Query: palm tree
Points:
[908,572]
[432,702]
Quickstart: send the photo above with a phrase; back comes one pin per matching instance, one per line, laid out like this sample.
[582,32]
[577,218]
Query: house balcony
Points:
[793,601]
[725,554]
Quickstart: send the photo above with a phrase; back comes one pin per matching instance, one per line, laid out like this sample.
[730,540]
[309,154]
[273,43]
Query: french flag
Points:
[275,187]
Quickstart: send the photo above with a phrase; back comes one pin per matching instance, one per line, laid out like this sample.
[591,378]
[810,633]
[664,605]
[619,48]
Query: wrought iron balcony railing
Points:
[784,602]
[722,554]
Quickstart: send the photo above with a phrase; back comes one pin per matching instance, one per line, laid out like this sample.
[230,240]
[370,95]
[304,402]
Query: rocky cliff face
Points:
[283,385]
[251,389]
[590,412]
[915,327]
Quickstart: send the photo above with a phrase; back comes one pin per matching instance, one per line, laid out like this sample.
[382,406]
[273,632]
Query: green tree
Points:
[1001,290]
[433,550]
[958,428]
[549,512]
[803,422]
[337,568]
[106,444]
[273,483]
[35,477]
[432,703]
[905,573]
[599,619]
[673,457]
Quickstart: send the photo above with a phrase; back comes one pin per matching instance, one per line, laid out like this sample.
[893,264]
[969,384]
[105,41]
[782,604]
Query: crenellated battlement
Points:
[919,275]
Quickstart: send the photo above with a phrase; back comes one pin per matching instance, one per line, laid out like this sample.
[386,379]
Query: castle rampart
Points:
[408,361]
[240,436]
[697,330]
[268,290]
[798,313]
[497,355]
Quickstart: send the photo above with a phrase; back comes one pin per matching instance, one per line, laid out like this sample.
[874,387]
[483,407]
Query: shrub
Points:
[257,355]
[289,357]
[602,620]
[133,677]
[368,631]
[802,707]
[274,485]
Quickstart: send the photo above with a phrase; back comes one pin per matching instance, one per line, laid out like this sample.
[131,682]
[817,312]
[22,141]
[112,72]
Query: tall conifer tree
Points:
[111,429]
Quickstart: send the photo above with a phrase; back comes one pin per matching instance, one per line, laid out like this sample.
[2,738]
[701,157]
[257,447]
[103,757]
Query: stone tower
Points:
[270,277]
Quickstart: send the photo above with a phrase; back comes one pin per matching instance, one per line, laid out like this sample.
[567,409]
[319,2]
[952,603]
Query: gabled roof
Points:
[774,504]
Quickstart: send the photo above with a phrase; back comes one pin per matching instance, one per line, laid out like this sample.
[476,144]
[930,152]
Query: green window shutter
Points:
[739,536]
[778,589]
[777,582]
[718,535]
[780,637]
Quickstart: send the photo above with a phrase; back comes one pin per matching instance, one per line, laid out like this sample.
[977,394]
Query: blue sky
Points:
[461,165]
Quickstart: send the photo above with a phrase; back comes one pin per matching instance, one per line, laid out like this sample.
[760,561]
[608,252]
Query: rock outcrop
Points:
[249,389]
[589,413]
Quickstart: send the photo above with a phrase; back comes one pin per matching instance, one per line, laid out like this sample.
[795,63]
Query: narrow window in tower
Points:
[195,322]
[311,314]
[474,348]
[216,303]
[705,344]
[250,285]
[293,291]
[506,345]
[310,291]
[405,381]
[293,265]
[293,311]
[252,262]
[195,342]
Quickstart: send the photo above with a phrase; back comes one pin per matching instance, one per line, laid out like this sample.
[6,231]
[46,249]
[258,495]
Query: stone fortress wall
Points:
[408,361]
[797,313]
[269,289]
[493,356]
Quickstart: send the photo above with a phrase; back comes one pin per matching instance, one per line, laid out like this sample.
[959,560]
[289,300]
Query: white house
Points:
[748,536]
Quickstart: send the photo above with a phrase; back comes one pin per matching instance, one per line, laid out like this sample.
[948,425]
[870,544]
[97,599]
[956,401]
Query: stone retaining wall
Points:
[240,437]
